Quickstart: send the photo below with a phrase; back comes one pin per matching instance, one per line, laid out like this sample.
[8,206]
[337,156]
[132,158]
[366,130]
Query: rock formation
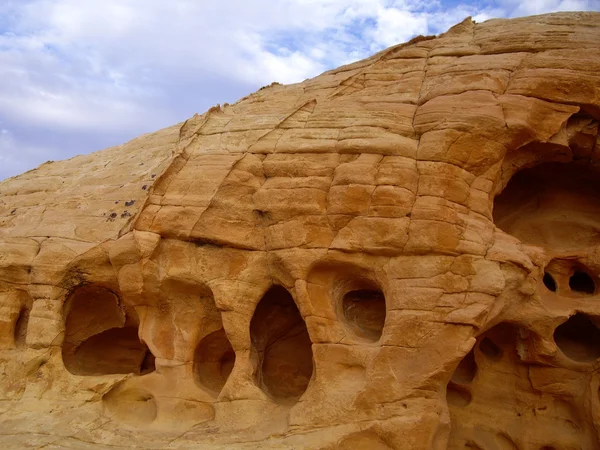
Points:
[401,253]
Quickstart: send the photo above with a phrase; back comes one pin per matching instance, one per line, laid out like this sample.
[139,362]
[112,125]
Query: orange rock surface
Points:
[401,253]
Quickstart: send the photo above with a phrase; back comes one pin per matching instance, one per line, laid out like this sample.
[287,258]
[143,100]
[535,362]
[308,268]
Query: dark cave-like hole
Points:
[114,351]
[213,361]
[101,338]
[489,349]
[364,311]
[148,363]
[21,328]
[549,282]
[582,282]
[552,205]
[466,370]
[578,338]
[281,340]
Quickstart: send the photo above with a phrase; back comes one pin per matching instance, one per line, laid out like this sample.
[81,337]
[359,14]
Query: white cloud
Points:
[112,67]
[516,8]
[396,25]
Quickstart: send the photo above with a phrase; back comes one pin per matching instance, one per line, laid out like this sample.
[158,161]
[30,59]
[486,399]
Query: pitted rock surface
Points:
[401,253]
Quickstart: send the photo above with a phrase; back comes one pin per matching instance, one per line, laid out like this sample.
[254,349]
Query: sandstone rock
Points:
[401,253]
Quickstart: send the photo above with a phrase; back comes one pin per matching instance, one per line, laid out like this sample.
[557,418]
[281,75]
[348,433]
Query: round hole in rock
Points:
[364,312]
[578,338]
[101,337]
[213,361]
[549,282]
[490,350]
[466,370]
[582,282]
[281,340]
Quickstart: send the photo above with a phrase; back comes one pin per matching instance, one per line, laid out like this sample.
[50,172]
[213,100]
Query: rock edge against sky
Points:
[399,253]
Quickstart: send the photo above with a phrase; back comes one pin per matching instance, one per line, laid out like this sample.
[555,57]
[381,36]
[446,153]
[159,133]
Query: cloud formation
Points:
[78,76]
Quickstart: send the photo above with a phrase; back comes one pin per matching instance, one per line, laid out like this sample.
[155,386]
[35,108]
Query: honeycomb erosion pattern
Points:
[402,253]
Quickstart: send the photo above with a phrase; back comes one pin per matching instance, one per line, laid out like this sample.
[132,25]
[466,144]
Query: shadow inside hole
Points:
[458,395]
[101,336]
[549,282]
[213,361]
[114,351]
[490,349]
[578,338]
[460,390]
[280,338]
[582,282]
[552,205]
[148,364]
[364,311]
[466,370]
[493,410]
[21,324]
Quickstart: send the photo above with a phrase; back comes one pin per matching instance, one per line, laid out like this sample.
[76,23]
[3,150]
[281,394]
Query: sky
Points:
[78,76]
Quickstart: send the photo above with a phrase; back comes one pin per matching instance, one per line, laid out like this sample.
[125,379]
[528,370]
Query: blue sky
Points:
[80,75]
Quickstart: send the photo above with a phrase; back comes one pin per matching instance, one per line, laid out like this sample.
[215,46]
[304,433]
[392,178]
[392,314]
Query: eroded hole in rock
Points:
[117,350]
[22,303]
[101,337]
[364,312]
[487,352]
[281,340]
[457,391]
[21,328]
[457,395]
[148,364]
[582,282]
[552,205]
[578,338]
[549,282]
[213,361]
[489,349]
[512,400]
[466,370]
[130,405]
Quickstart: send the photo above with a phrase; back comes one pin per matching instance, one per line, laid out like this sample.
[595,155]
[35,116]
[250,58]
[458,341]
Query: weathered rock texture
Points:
[402,253]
